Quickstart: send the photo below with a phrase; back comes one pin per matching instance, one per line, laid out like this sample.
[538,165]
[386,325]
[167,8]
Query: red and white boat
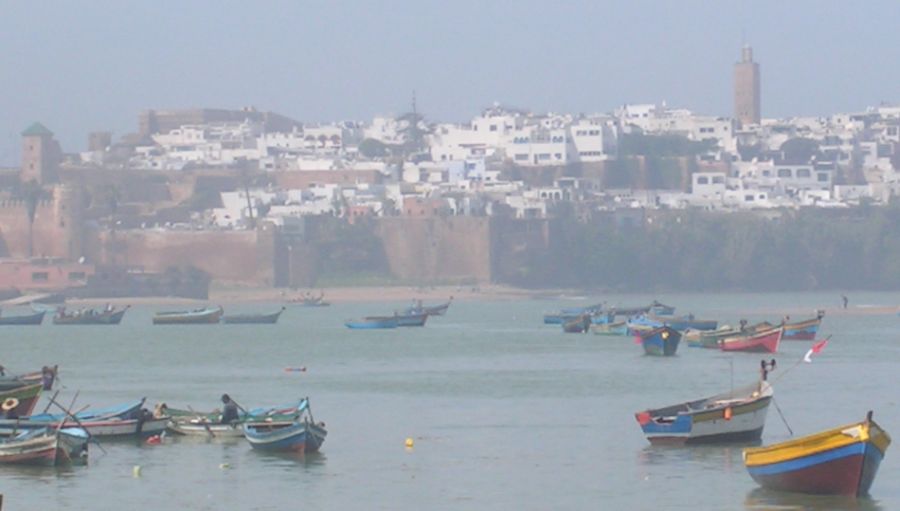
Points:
[764,341]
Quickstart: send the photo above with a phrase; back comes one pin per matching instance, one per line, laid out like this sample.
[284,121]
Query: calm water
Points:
[506,413]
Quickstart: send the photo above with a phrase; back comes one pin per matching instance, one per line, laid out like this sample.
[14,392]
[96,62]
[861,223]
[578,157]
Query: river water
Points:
[505,412]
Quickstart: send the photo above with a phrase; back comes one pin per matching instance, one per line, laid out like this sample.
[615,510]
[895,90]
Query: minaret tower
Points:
[746,88]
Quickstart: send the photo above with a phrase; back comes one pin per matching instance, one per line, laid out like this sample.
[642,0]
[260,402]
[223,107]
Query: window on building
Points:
[784,172]
[804,173]
[40,276]
[76,275]
[718,180]
[767,173]
[544,156]
[493,127]
[558,156]
[748,198]
[702,180]
[521,157]
[823,177]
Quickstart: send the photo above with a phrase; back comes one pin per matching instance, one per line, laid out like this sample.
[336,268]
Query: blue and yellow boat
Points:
[662,341]
[840,461]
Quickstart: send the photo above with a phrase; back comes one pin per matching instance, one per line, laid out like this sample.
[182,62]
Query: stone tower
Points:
[68,202]
[40,155]
[746,88]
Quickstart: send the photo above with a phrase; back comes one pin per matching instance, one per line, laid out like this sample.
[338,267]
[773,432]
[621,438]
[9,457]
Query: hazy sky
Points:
[84,66]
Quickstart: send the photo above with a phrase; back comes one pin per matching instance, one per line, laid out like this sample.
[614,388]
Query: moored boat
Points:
[661,309]
[205,316]
[411,319]
[739,415]
[300,436]
[108,316]
[27,319]
[256,319]
[45,446]
[20,401]
[662,341]
[616,328]
[683,323]
[840,461]
[758,342]
[432,310]
[577,325]
[805,330]
[710,338]
[372,323]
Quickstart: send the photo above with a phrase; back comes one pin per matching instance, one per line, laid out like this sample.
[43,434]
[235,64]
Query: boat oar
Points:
[51,399]
[77,421]
[203,421]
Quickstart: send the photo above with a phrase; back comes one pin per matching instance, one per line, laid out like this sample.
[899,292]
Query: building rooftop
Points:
[37,130]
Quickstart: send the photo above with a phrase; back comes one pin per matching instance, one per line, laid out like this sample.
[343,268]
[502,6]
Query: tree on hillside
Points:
[373,149]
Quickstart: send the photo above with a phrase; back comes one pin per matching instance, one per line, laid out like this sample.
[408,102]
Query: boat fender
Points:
[727,413]
[642,418]
[409,443]
[154,440]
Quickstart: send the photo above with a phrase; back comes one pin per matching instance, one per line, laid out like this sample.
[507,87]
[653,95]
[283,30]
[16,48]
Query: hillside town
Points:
[190,185]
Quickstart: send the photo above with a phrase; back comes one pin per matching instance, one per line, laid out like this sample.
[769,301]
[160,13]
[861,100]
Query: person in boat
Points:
[844,298]
[229,410]
[48,376]
[743,325]
[160,410]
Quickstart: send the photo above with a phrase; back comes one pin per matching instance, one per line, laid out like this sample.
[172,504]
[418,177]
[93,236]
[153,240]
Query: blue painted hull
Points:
[300,437]
[661,342]
[372,323]
[31,319]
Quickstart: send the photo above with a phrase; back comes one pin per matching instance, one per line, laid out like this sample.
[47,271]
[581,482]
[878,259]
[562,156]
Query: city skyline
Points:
[346,61]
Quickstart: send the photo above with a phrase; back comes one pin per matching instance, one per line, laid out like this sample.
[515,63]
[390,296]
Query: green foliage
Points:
[371,148]
[799,150]
[636,144]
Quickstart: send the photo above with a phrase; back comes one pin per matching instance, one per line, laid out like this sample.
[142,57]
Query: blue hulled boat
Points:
[410,319]
[662,341]
[29,319]
[301,436]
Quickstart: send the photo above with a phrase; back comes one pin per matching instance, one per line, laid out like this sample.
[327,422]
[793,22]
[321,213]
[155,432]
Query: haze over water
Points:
[506,413]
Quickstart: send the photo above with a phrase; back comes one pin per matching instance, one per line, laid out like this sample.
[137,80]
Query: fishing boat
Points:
[108,316]
[683,323]
[45,446]
[27,319]
[20,401]
[372,323]
[563,315]
[630,311]
[840,461]
[431,310]
[203,316]
[120,420]
[738,415]
[270,319]
[301,436]
[616,328]
[661,309]
[188,422]
[410,319]
[276,413]
[577,325]
[308,300]
[759,342]
[602,318]
[710,338]
[662,341]
[805,330]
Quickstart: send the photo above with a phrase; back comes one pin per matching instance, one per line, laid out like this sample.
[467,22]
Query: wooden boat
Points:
[617,328]
[26,398]
[372,323]
[803,330]
[45,446]
[410,319]
[301,436]
[683,323]
[630,311]
[309,300]
[710,338]
[759,342]
[110,316]
[661,309]
[662,341]
[840,461]
[739,415]
[602,318]
[204,316]
[269,319]
[561,316]
[578,325]
[431,310]
[277,413]
[28,319]
[187,422]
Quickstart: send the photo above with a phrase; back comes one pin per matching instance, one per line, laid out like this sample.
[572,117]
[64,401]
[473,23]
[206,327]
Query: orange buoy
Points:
[727,413]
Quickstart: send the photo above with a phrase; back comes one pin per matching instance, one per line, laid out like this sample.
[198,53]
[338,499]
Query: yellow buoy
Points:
[136,471]
[409,442]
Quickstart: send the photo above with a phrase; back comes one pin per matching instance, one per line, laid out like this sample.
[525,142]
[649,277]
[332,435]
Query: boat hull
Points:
[100,429]
[843,461]
[27,396]
[372,323]
[252,319]
[660,341]
[100,318]
[802,331]
[300,437]
[407,320]
[714,420]
[611,329]
[205,317]
[762,342]
[30,319]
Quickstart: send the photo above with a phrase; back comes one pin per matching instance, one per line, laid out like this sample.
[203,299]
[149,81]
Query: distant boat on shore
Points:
[108,316]
[235,319]
[372,323]
[28,319]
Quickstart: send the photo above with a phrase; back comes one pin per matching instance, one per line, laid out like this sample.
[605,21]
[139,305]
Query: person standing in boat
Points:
[48,376]
[229,410]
